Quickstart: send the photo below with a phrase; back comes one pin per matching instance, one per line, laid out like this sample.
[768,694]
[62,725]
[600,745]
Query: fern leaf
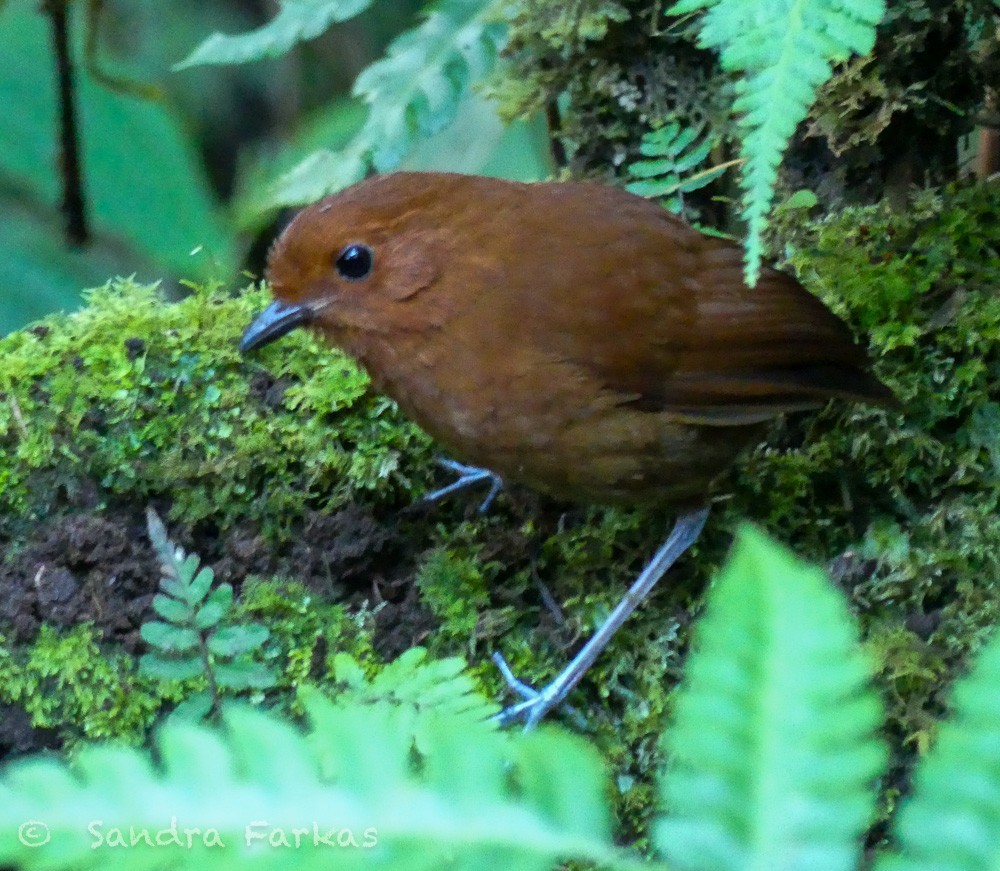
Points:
[217,606]
[783,51]
[255,791]
[952,821]
[235,640]
[412,93]
[194,638]
[424,688]
[296,21]
[322,172]
[158,538]
[168,638]
[171,609]
[773,751]
[241,674]
[415,89]
[671,153]
[172,668]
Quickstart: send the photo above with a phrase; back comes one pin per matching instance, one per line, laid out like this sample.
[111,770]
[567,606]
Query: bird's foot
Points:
[467,477]
[536,704]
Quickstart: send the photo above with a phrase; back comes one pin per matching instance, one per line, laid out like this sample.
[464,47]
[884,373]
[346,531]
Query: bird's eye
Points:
[355,261]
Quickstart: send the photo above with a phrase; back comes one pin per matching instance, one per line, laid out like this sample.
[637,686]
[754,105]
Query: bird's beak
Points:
[272,323]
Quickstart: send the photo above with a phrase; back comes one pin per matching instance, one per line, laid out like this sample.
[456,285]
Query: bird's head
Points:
[362,262]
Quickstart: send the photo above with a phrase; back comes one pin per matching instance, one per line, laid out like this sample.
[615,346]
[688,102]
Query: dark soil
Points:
[96,565]
[100,568]
[80,568]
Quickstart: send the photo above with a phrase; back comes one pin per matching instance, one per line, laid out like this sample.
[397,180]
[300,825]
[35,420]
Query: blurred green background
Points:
[177,186]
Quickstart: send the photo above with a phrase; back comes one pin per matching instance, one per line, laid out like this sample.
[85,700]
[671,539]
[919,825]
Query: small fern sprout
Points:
[196,635]
[673,164]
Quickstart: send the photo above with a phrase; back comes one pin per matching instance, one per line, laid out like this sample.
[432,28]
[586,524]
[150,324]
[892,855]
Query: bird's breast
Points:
[545,423]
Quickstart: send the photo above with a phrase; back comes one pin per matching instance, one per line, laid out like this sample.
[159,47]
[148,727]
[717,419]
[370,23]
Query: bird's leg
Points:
[467,476]
[537,703]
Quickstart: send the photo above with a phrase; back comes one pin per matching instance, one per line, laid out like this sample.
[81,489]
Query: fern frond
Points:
[415,89]
[320,173]
[783,51]
[296,21]
[412,93]
[194,636]
[773,752]
[672,154]
[352,794]
[952,820]
[425,689]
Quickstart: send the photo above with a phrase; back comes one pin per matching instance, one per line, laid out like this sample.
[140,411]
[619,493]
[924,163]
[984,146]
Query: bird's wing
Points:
[678,331]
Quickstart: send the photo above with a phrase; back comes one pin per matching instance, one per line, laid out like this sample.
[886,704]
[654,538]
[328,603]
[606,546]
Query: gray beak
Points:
[272,323]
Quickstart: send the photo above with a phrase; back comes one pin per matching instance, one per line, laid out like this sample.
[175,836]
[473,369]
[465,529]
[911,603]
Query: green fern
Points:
[296,21]
[672,154]
[783,51]
[772,760]
[423,691]
[196,635]
[773,752]
[412,93]
[353,793]
[952,822]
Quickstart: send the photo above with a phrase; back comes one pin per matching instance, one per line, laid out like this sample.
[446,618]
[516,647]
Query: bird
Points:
[568,336]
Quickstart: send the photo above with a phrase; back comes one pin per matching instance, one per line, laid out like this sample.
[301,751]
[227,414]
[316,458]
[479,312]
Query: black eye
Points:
[355,261]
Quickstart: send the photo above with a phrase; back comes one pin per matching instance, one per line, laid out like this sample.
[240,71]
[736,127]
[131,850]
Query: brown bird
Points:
[569,336]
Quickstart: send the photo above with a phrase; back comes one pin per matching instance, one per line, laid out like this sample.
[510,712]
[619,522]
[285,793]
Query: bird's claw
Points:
[536,703]
[467,477]
[518,686]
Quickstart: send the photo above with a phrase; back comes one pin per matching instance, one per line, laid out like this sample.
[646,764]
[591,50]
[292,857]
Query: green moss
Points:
[307,633]
[65,681]
[455,589]
[909,499]
[149,400]
[920,285]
